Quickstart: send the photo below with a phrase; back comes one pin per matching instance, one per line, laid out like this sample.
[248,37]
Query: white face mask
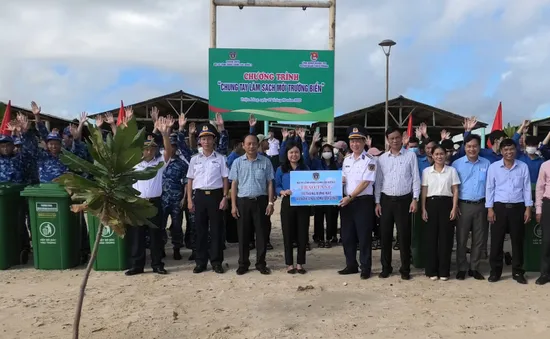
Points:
[530,150]
[327,155]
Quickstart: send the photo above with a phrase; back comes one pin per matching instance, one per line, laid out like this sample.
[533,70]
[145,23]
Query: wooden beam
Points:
[169,103]
[275,3]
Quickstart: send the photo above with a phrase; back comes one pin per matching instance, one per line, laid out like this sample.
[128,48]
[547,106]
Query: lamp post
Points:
[386,48]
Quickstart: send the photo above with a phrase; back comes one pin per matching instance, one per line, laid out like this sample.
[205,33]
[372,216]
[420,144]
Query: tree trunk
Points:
[76,323]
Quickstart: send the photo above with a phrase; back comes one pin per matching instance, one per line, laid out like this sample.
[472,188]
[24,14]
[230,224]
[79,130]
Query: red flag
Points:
[121,114]
[497,123]
[410,127]
[6,120]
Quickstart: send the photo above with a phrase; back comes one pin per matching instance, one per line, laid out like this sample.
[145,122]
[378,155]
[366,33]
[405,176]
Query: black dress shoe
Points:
[349,270]
[461,275]
[218,269]
[321,244]
[264,270]
[199,269]
[405,276]
[134,271]
[301,271]
[177,254]
[542,280]
[396,246]
[365,275]
[242,270]
[269,246]
[291,271]
[328,244]
[493,278]
[470,273]
[160,270]
[520,278]
[308,247]
[384,274]
[477,275]
[192,256]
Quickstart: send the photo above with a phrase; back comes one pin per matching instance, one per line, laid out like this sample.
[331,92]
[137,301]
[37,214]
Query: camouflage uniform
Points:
[172,188]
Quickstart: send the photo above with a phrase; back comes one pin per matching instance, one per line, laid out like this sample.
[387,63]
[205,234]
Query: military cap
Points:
[151,140]
[53,136]
[356,132]
[67,131]
[5,138]
[17,141]
[208,129]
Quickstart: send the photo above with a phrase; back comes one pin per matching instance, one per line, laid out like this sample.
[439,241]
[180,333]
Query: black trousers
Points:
[439,237]
[137,234]
[395,210]
[330,214]
[252,216]
[294,220]
[509,217]
[357,228]
[190,237]
[209,225]
[274,161]
[176,228]
[545,227]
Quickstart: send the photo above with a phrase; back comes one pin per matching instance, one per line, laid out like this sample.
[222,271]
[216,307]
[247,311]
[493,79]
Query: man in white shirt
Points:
[273,151]
[396,193]
[207,179]
[150,190]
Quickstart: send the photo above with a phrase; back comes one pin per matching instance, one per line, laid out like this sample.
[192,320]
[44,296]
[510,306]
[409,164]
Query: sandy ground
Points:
[40,304]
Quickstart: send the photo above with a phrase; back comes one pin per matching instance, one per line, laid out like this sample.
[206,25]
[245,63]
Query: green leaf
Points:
[146,174]
[77,164]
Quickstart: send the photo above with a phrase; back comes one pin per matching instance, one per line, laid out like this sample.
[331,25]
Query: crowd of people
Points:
[226,190]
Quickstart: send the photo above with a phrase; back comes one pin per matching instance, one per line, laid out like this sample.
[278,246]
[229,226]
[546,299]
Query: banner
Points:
[315,188]
[274,85]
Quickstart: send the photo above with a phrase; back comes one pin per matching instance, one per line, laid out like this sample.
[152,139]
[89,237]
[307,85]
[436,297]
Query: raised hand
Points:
[406,138]
[35,108]
[252,120]
[154,113]
[109,118]
[83,117]
[418,133]
[524,127]
[182,121]
[99,120]
[192,128]
[284,131]
[369,141]
[469,123]
[129,113]
[164,125]
[23,122]
[445,135]
[424,130]
[220,122]
[316,137]
[169,121]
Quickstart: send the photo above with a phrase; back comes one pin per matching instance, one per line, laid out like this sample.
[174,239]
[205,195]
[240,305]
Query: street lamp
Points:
[386,48]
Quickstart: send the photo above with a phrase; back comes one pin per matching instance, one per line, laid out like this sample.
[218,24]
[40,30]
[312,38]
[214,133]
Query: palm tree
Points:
[109,196]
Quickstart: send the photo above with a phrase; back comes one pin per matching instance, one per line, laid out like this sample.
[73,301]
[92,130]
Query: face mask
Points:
[200,150]
[327,155]
[530,150]
[414,150]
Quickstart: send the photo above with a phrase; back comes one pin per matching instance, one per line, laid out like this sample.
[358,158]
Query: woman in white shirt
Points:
[439,208]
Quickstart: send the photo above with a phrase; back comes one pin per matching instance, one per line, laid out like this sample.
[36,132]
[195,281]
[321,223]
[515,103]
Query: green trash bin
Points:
[11,204]
[418,228]
[533,243]
[56,231]
[112,254]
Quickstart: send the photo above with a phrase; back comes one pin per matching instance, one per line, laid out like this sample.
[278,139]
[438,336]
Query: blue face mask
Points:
[414,150]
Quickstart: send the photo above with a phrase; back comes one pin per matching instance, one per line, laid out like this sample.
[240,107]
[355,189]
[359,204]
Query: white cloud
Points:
[97,39]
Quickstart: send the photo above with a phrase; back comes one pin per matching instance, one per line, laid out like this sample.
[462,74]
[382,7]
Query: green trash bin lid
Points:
[9,188]
[45,191]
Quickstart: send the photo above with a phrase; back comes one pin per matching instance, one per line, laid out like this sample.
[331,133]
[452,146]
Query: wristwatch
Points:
[350,197]
[270,203]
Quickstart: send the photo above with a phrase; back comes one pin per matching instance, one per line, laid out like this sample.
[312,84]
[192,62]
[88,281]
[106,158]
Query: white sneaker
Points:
[444,278]
[434,278]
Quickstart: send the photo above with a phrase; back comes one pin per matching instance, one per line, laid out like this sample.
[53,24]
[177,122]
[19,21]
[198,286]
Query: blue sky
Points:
[463,56]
